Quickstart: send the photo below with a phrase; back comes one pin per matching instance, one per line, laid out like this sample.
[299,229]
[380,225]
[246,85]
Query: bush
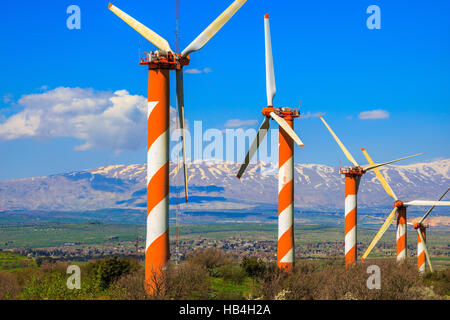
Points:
[187,281]
[253,266]
[439,281]
[107,271]
[130,286]
[313,280]
[41,260]
[210,258]
[232,273]
[50,283]
[9,286]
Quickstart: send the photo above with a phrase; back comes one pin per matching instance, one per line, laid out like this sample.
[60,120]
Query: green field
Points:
[10,261]
[312,241]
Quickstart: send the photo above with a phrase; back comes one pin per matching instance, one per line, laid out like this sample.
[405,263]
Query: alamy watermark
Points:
[374,20]
[73,22]
[374,280]
[74,281]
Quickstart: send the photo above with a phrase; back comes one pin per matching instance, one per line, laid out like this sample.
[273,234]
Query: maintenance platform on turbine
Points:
[163,60]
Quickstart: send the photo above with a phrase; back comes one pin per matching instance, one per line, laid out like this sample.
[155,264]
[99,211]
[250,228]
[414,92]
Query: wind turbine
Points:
[352,178]
[400,209]
[422,251]
[159,64]
[285,119]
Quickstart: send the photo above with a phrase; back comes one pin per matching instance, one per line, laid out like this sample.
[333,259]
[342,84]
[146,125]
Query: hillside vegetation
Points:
[213,274]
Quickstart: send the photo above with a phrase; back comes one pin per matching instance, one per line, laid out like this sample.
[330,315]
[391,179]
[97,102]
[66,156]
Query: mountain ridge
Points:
[214,186]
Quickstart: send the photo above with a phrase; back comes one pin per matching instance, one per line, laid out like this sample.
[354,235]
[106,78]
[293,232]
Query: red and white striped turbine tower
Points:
[352,178]
[400,210]
[159,64]
[285,119]
[422,252]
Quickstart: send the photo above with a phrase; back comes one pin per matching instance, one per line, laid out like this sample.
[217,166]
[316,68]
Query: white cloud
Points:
[235,123]
[198,71]
[374,114]
[113,120]
[7,98]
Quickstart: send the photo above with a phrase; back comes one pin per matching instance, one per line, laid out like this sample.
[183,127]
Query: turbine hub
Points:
[266,111]
[398,204]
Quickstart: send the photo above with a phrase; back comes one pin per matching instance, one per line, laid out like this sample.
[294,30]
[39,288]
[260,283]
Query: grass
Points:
[11,262]
[55,234]
[230,290]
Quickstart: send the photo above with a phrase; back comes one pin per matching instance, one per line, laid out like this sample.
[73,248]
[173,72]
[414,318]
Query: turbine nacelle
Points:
[419,225]
[281,112]
[356,170]
[168,60]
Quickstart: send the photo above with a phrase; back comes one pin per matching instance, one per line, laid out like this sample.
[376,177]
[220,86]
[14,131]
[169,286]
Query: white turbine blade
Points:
[262,131]
[343,148]
[368,167]
[380,177]
[283,124]
[431,209]
[180,101]
[426,203]
[270,75]
[212,29]
[148,34]
[425,249]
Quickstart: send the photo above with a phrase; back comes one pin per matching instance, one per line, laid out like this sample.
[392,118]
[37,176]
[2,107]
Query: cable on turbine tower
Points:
[179,165]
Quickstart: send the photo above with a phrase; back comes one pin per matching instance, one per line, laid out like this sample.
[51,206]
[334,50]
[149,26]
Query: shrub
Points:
[210,258]
[9,286]
[50,286]
[232,273]
[184,282]
[439,281]
[313,280]
[187,281]
[130,287]
[41,260]
[107,271]
[253,266]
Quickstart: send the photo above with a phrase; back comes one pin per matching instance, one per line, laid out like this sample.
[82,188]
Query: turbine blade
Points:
[343,148]
[148,34]
[425,249]
[426,203]
[180,101]
[368,167]
[282,123]
[380,233]
[270,75]
[431,209]
[212,29]
[380,177]
[262,131]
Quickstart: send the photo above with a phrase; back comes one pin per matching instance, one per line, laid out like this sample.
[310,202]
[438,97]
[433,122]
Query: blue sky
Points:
[324,55]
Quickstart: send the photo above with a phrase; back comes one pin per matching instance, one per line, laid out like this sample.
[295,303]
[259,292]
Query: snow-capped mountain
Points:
[214,186]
